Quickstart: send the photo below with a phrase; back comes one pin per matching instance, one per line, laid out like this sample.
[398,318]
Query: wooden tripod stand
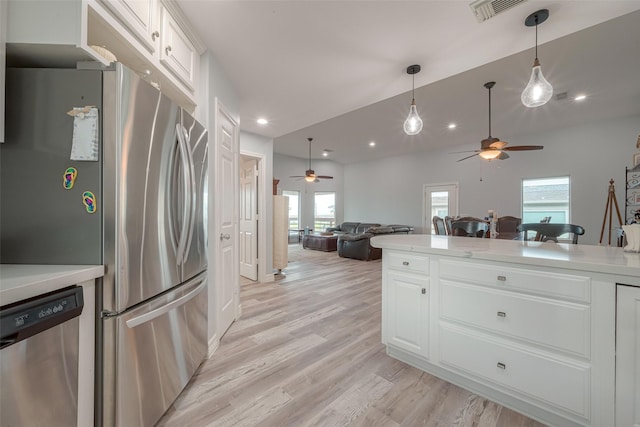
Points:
[611,201]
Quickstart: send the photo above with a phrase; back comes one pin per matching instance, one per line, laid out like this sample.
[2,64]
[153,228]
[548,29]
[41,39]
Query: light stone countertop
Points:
[22,281]
[588,258]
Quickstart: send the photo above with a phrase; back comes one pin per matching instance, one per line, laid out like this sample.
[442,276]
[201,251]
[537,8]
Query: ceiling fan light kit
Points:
[310,174]
[413,124]
[492,148]
[538,91]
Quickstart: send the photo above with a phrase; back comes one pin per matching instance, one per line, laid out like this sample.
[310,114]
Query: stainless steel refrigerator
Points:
[136,204]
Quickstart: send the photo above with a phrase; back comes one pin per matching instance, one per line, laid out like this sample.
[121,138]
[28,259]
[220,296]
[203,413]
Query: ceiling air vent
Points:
[485,9]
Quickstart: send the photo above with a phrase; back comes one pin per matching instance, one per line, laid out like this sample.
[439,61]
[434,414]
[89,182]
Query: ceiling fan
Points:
[310,174]
[492,148]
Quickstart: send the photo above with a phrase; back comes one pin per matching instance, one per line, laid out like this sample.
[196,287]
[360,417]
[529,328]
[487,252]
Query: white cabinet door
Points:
[408,313]
[177,53]
[140,17]
[628,357]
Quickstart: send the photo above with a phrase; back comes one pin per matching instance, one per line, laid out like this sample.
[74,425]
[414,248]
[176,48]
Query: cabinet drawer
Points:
[557,382]
[410,263]
[556,324]
[564,286]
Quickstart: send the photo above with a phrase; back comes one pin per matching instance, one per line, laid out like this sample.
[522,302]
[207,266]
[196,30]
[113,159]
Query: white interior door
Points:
[249,219]
[228,274]
[439,200]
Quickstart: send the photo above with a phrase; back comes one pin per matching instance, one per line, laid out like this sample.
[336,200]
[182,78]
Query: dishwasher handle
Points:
[26,318]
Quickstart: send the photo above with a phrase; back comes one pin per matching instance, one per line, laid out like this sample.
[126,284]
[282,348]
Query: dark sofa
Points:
[354,238]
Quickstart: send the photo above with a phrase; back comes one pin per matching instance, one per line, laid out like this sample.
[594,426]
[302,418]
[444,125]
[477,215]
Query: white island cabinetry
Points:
[406,302]
[529,325]
[628,357]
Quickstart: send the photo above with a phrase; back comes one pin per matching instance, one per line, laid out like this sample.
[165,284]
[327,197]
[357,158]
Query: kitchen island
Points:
[530,325]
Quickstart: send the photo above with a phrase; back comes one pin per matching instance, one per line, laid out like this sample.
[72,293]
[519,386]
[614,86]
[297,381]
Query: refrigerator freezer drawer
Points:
[158,347]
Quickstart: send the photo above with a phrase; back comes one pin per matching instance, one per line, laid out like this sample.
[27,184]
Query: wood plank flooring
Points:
[307,352]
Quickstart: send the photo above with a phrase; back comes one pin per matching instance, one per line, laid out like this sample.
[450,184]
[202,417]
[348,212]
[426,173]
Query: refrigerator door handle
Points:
[192,194]
[186,209]
[150,315]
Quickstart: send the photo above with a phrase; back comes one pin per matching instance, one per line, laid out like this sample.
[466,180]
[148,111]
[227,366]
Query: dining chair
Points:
[547,231]
[438,225]
[469,228]
[447,224]
[508,224]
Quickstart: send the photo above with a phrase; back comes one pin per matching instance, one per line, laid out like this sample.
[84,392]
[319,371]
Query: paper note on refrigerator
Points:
[85,143]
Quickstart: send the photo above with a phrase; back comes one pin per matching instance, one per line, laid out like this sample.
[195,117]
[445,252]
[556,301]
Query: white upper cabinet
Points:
[177,52]
[140,17]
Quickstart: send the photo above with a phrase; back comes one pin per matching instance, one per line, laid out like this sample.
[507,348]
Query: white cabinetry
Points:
[177,52]
[524,337]
[628,357]
[140,17]
[151,37]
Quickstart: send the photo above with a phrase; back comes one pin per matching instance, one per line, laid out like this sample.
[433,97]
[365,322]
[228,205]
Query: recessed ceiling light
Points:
[262,121]
[580,97]
[325,153]
[372,144]
[452,125]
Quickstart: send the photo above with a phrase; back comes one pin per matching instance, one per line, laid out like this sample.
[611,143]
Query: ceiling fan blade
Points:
[468,157]
[324,176]
[316,180]
[296,176]
[498,144]
[466,151]
[502,156]
[524,148]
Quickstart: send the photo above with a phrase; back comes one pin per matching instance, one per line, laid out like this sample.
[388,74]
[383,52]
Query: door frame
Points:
[426,222]
[263,276]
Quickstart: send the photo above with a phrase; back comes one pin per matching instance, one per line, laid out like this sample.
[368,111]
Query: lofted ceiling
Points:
[336,70]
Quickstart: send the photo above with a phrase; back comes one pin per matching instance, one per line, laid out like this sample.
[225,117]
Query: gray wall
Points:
[390,190]
[286,166]
[256,146]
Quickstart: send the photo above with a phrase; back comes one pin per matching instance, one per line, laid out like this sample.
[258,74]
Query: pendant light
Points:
[538,90]
[413,124]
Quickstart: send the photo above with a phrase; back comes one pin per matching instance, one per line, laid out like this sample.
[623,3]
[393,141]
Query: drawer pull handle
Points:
[424,291]
[502,278]
[502,365]
[405,262]
[502,314]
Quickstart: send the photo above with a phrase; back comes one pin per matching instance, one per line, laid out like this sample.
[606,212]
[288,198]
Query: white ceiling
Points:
[336,70]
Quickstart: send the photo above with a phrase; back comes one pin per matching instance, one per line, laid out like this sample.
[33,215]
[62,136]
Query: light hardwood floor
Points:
[306,352]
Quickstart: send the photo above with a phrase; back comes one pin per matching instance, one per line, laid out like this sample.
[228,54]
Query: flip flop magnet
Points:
[89,201]
[69,178]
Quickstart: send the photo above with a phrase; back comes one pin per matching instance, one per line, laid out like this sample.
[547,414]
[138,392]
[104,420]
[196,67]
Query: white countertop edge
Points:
[587,258]
[22,281]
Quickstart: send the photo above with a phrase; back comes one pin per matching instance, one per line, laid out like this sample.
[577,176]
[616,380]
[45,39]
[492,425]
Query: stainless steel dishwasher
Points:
[39,359]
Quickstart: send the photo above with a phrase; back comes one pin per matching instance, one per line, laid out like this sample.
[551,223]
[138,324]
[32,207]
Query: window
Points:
[294,209]
[546,197]
[324,210]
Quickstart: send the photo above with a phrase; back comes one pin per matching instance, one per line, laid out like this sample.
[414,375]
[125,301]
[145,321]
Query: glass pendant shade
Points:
[413,124]
[310,178]
[538,91]
[489,154]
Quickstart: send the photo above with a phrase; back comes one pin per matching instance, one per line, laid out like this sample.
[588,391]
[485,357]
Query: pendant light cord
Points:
[413,87]
[309,154]
[536,36]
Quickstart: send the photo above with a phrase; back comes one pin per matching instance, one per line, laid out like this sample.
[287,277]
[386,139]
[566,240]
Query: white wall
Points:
[390,190]
[286,166]
[257,146]
[213,83]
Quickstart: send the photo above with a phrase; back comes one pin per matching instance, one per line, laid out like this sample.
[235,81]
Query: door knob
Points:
[224,236]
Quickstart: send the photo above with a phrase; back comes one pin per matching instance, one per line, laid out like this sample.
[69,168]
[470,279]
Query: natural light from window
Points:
[324,210]
[546,197]
[294,209]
